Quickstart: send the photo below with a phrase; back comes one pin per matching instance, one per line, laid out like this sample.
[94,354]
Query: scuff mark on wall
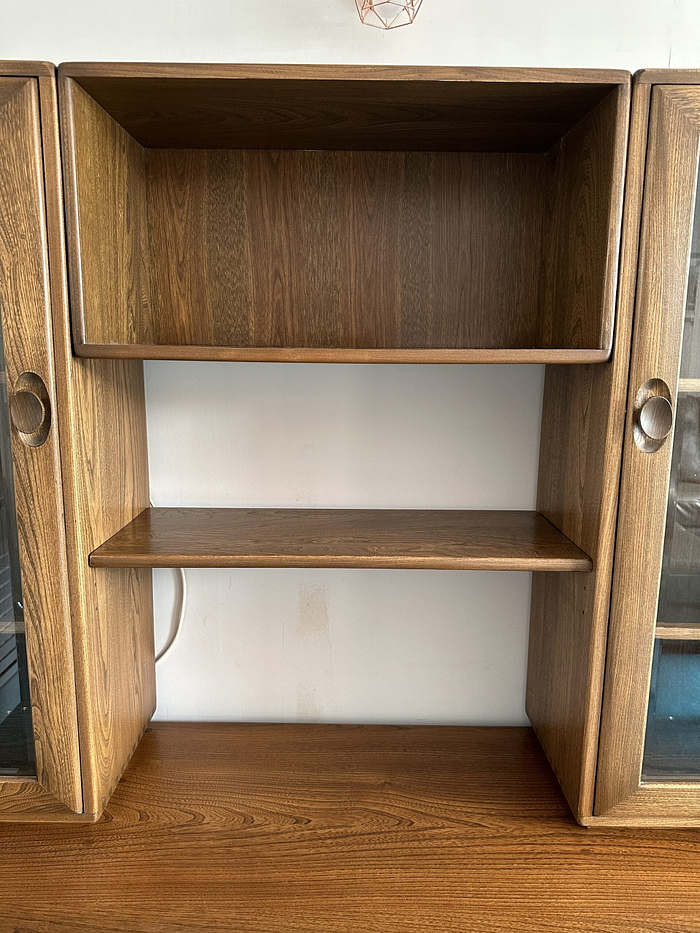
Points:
[315,693]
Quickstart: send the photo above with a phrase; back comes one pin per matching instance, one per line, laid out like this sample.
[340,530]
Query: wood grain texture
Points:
[105,471]
[26,801]
[364,250]
[674,145]
[396,538]
[580,455]
[343,107]
[133,351]
[106,215]
[275,254]
[688,76]
[677,632]
[27,69]
[27,336]
[582,233]
[317,828]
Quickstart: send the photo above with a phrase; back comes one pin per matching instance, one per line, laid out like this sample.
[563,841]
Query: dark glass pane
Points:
[16,737]
[672,750]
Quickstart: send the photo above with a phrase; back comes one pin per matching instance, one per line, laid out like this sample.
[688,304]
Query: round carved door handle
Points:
[30,409]
[656,417]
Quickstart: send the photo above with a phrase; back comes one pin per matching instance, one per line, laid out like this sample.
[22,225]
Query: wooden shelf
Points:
[315,828]
[542,355]
[389,538]
[678,632]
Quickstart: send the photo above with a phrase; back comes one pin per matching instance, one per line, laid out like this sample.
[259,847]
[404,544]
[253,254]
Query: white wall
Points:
[348,645]
[345,644]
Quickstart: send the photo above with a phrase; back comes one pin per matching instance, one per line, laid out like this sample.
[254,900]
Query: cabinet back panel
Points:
[343,249]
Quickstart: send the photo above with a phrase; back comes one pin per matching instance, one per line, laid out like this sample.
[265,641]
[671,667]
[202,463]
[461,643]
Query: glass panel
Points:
[16,737]
[672,748]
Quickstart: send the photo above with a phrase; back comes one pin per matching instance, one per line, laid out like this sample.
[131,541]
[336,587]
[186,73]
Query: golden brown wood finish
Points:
[674,143]
[580,455]
[25,801]
[688,76]
[677,632]
[317,828]
[27,69]
[268,248]
[582,235]
[336,355]
[105,474]
[343,107]
[396,538]
[340,255]
[108,240]
[26,325]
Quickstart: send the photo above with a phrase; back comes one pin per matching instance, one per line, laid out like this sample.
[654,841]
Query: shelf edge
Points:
[340,354]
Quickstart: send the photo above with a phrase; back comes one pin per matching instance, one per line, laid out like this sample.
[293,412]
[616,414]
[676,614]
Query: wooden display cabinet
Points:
[366,214]
[82,692]
[357,214]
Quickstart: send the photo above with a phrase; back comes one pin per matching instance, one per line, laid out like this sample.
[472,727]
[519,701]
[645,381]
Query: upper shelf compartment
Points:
[343,213]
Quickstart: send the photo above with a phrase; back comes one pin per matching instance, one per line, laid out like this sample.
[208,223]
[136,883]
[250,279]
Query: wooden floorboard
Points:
[438,539]
[343,829]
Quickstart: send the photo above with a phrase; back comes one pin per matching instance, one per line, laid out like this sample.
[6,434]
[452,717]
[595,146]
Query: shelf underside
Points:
[351,829]
[542,355]
[371,538]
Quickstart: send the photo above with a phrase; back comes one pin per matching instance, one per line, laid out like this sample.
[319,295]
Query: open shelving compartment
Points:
[349,214]
[365,214]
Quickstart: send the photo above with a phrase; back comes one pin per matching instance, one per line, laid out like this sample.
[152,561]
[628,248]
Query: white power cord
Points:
[178,616]
[178,613]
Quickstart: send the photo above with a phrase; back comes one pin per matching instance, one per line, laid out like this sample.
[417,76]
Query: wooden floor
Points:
[343,829]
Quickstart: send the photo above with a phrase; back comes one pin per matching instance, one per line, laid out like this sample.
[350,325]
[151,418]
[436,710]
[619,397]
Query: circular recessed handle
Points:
[656,417]
[30,409]
[652,415]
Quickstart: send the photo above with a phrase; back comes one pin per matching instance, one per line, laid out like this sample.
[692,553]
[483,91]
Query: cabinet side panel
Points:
[105,183]
[109,484]
[104,448]
[582,238]
[26,323]
[580,456]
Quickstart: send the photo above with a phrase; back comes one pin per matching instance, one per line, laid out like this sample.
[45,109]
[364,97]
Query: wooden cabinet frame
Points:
[669,198]
[92,656]
[27,249]
[550,143]
[89,638]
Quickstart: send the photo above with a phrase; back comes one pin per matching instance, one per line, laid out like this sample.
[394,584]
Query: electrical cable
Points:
[178,614]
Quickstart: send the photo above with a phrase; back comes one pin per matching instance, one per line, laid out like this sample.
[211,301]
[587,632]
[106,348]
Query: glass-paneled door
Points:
[649,752]
[16,737]
[40,769]
[672,744]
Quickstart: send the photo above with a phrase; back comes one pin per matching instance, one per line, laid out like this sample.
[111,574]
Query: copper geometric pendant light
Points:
[388,14]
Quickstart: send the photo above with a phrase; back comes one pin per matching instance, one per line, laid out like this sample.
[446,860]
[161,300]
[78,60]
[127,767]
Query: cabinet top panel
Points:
[343,107]
[27,69]
[668,76]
